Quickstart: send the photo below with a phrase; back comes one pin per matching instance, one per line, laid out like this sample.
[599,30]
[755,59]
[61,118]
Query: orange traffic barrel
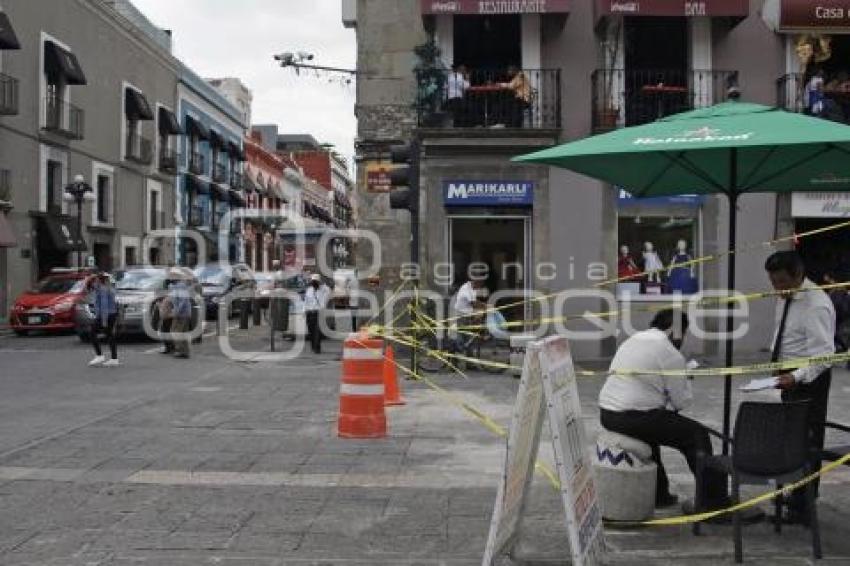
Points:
[361,393]
[391,388]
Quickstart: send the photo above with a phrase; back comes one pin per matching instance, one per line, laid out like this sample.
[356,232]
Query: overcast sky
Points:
[219,38]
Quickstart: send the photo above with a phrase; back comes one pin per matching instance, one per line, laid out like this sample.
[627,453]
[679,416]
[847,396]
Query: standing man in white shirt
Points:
[315,301]
[646,407]
[456,84]
[805,328]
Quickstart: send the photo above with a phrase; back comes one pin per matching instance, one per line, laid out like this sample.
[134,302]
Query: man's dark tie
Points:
[777,345]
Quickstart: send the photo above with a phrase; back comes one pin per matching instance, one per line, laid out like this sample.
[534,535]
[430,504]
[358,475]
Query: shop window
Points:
[656,244]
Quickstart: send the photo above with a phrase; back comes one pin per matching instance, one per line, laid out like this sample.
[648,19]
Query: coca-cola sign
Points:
[486,7]
[686,8]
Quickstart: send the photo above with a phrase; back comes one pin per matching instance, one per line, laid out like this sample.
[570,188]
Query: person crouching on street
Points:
[105,309]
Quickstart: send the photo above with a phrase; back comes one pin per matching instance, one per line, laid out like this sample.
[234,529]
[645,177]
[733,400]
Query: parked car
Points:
[50,305]
[219,284]
[138,289]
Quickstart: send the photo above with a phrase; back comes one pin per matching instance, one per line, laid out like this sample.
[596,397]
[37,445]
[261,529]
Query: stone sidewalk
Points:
[239,463]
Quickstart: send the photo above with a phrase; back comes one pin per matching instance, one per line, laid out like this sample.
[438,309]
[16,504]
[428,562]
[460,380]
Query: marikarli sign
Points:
[687,8]
[494,6]
[820,205]
[488,193]
[548,387]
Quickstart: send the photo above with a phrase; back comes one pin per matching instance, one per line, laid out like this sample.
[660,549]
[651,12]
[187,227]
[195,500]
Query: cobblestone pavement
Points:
[209,461]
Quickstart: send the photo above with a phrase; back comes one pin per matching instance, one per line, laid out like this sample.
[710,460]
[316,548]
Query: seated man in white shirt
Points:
[647,407]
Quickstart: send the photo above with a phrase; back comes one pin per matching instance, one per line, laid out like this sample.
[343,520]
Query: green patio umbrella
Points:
[732,148]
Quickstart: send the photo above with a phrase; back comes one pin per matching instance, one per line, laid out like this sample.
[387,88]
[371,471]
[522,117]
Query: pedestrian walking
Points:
[166,318]
[105,309]
[805,328]
[180,297]
[315,301]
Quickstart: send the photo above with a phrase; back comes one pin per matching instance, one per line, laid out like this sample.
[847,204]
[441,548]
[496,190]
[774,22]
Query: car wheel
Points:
[20,332]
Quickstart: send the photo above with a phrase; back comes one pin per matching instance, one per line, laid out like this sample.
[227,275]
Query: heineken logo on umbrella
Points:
[699,135]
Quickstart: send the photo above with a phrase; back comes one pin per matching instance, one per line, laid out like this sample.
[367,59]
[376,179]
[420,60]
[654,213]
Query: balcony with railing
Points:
[196,163]
[63,118]
[237,181]
[139,150]
[8,95]
[485,100]
[834,104]
[219,172]
[622,97]
[167,160]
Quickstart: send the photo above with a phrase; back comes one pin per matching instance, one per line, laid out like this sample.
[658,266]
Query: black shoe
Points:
[665,500]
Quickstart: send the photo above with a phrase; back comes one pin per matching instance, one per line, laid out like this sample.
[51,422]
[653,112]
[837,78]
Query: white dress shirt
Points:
[809,330]
[456,85]
[647,350]
[465,299]
[316,299]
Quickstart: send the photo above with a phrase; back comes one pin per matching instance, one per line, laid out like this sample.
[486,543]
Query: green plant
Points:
[430,75]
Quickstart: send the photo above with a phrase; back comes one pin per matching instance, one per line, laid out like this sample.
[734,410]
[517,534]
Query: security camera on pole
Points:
[404,195]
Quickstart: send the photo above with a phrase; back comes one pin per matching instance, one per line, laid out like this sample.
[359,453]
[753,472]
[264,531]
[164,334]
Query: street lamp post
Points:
[79,191]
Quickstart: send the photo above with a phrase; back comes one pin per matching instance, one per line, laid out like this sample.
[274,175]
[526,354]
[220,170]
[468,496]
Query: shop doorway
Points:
[502,244]
[825,252]
[49,255]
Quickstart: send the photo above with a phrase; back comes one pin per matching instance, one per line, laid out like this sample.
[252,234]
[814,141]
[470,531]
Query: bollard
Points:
[257,311]
[243,314]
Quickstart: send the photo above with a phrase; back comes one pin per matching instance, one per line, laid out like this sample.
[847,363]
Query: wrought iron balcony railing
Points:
[623,97]
[8,95]
[486,98]
[139,149]
[196,163]
[63,118]
[167,160]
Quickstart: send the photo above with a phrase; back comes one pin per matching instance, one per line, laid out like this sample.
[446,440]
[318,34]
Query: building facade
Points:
[264,179]
[69,111]
[210,182]
[442,71]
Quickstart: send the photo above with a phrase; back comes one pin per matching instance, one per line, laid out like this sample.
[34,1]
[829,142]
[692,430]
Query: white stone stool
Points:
[625,477]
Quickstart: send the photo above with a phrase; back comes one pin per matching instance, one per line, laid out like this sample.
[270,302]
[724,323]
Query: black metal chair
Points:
[770,445]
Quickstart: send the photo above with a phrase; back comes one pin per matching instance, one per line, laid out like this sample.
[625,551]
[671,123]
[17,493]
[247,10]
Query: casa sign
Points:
[814,14]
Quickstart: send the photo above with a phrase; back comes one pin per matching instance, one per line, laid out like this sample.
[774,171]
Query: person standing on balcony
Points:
[520,98]
[814,98]
[456,85]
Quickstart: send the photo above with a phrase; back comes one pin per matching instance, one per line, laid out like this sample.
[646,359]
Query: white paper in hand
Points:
[760,384]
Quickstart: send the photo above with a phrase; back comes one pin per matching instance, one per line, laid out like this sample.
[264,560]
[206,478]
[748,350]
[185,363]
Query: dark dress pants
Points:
[661,427]
[817,394]
[109,331]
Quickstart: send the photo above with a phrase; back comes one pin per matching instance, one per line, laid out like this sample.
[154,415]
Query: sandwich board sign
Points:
[548,389]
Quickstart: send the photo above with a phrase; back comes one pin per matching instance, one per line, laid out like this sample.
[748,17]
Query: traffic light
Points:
[405,177]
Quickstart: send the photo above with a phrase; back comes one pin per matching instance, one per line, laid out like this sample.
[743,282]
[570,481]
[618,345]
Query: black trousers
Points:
[109,331]
[165,332]
[314,333]
[817,394]
[661,427]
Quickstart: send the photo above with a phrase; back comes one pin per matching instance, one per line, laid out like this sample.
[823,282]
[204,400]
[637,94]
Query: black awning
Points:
[63,233]
[195,128]
[136,106]
[195,184]
[220,192]
[8,39]
[236,198]
[168,124]
[217,140]
[61,62]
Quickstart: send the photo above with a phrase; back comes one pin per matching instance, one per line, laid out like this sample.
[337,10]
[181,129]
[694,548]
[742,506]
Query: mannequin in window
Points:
[681,277]
[626,266]
[652,263]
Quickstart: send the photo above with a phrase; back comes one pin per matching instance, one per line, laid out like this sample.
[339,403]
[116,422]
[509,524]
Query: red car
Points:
[50,305]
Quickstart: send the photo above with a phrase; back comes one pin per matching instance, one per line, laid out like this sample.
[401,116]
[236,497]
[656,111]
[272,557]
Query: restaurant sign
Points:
[378,177]
[806,14]
[486,7]
[687,8]
[488,193]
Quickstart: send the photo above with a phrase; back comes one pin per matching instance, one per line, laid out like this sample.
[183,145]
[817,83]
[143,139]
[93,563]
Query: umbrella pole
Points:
[727,380]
